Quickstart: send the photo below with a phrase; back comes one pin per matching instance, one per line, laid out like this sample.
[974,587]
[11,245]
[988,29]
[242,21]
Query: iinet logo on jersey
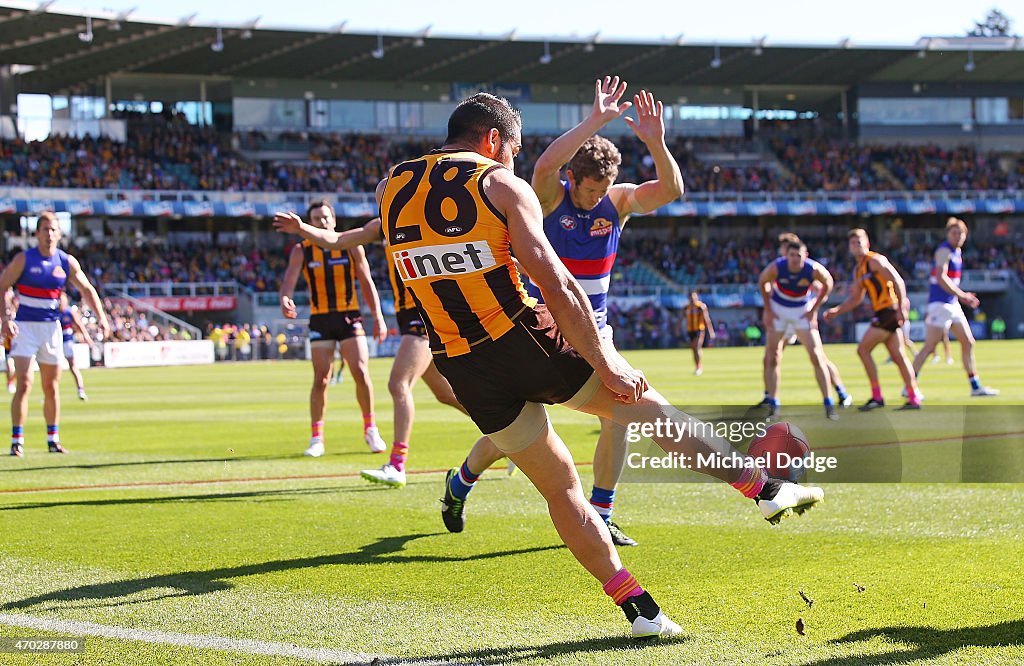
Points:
[441,260]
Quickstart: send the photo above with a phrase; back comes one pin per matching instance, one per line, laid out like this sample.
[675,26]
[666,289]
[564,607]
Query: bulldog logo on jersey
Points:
[601,227]
[568,222]
[59,273]
[803,282]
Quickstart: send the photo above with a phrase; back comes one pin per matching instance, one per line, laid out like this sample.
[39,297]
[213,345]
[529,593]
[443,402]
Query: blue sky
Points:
[864,21]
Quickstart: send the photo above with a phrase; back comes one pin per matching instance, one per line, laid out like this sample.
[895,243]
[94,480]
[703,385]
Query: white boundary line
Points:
[247,646]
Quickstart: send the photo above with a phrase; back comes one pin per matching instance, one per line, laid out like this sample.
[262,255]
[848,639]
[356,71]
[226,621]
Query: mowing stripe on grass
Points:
[242,645]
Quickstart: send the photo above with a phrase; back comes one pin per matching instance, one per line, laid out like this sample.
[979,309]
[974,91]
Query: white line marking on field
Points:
[244,645]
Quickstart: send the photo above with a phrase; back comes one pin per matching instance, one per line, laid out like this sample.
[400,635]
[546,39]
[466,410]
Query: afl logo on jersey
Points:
[313,264]
[568,222]
[601,227]
[59,273]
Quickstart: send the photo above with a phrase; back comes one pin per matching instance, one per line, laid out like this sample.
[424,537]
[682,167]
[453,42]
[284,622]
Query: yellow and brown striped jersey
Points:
[403,297]
[450,249]
[881,291]
[330,275]
[695,316]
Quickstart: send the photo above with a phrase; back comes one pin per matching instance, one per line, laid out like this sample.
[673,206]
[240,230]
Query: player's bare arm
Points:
[569,305]
[76,276]
[288,282]
[10,275]
[764,287]
[824,278]
[888,272]
[290,223]
[369,291]
[649,127]
[707,322]
[608,106]
[76,323]
[942,277]
[853,299]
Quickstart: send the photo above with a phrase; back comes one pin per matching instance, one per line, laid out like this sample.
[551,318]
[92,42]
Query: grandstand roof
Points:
[62,52]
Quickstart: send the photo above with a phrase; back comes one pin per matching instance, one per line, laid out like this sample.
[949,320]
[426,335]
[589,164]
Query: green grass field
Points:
[186,510]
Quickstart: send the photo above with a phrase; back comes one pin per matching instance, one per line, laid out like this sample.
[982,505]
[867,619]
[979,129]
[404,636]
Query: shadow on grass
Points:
[249,495]
[516,653]
[928,643]
[194,583]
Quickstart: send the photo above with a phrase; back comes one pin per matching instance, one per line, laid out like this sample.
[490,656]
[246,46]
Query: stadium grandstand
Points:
[166,146]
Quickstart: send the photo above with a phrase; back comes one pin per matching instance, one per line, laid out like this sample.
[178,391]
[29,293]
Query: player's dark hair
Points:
[48,215]
[322,203]
[857,232]
[477,115]
[794,245]
[597,158]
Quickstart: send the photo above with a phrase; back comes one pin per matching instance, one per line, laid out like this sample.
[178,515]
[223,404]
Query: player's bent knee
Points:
[531,423]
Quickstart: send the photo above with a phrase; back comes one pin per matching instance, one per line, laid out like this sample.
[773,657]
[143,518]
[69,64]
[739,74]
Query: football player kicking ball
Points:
[878,279]
[505,355]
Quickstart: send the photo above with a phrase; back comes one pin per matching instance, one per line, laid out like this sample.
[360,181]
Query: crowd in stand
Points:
[254,268]
[177,156]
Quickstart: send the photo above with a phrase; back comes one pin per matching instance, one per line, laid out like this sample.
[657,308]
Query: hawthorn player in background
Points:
[39,275]
[876,277]
[451,220]
[334,321]
[698,322]
[412,359]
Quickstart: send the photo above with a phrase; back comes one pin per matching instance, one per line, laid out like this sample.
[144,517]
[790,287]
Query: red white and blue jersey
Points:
[792,289]
[67,325]
[587,242]
[40,285]
[955,269]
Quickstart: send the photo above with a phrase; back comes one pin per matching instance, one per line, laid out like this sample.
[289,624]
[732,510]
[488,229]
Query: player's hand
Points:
[626,382]
[10,329]
[971,299]
[287,223]
[288,308]
[812,317]
[607,93]
[830,314]
[104,330]
[380,329]
[649,125]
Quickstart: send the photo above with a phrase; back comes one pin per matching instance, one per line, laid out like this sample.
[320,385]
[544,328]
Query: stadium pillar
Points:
[844,105]
[8,95]
[108,93]
[754,104]
[202,102]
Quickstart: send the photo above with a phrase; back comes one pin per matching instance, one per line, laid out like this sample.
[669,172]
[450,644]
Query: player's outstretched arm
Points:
[290,223]
[77,277]
[707,322]
[568,303]
[607,107]
[667,186]
[10,275]
[853,299]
